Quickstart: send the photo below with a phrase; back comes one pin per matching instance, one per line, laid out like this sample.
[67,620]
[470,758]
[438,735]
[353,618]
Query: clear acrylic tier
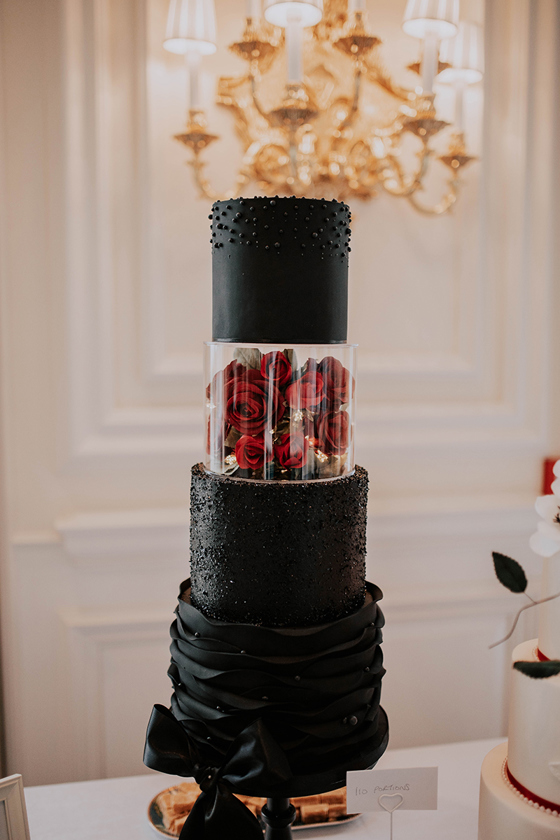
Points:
[280,413]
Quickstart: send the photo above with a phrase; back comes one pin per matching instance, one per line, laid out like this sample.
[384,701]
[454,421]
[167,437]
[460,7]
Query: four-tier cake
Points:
[276,659]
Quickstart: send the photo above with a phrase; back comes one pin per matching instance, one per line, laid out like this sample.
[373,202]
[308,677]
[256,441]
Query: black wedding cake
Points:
[276,660]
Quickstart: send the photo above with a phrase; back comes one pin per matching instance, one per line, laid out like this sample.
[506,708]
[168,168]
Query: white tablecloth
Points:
[116,809]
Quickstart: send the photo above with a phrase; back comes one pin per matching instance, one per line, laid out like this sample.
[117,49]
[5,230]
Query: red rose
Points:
[306,392]
[253,405]
[276,368]
[338,382]
[333,431]
[223,379]
[251,452]
[291,451]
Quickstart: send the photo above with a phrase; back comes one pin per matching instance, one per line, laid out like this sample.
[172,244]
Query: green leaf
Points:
[248,356]
[509,572]
[538,670]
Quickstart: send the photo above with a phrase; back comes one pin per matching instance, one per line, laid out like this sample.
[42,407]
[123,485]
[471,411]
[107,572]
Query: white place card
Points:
[406,789]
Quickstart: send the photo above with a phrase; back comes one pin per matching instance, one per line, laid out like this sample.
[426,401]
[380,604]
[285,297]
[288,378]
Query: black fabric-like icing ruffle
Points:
[316,690]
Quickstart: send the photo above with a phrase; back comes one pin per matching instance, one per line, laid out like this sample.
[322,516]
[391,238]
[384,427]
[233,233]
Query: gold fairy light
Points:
[337,129]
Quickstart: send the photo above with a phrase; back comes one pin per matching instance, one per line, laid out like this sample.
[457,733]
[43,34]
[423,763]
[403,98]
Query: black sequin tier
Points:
[287,554]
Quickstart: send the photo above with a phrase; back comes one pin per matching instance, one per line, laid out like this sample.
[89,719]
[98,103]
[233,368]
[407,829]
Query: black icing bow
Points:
[217,813]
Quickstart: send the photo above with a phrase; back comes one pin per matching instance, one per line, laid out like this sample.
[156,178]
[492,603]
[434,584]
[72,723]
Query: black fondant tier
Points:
[282,711]
[280,270]
[280,554]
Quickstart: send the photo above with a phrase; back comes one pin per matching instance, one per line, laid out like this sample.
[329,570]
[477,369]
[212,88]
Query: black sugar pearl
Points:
[231,240]
[272,203]
[276,244]
[255,233]
[243,651]
[307,218]
[297,679]
[314,235]
[336,245]
[285,212]
[344,720]
[321,230]
[219,226]
[255,220]
[238,216]
[366,669]
[280,231]
[241,235]
[241,202]
[266,227]
[197,634]
[353,720]
[214,234]
[303,245]
[265,697]
[224,213]
[349,248]
[210,216]
[228,206]
[251,208]
[266,248]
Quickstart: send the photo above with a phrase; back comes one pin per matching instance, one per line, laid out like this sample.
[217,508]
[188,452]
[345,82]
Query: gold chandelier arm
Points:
[444,205]
[255,98]
[406,187]
[377,74]
[205,189]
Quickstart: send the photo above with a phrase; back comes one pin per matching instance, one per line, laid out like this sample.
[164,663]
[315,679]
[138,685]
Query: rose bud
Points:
[253,405]
[291,451]
[333,429]
[224,379]
[250,452]
[306,392]
[338,382]
[276,368]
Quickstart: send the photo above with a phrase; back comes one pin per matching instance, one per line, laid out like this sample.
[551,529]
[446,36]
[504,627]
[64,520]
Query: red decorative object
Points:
[548,475]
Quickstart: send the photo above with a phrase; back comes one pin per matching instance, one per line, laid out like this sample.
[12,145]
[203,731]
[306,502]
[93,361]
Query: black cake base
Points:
[271,711]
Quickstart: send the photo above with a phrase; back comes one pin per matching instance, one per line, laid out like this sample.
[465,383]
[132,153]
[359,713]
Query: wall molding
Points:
[89,633]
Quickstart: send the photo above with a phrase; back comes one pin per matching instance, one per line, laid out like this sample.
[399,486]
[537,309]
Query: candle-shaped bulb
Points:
[294,48]
[253,9]
[430,60]
[460,88]
[193,63]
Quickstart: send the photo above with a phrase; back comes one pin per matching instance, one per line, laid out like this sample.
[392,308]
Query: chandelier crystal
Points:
[316,111]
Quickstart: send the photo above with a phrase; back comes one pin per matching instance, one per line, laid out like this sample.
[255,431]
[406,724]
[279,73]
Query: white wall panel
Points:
[106,292]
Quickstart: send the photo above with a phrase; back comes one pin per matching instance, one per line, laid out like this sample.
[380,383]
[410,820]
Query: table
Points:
[115,809]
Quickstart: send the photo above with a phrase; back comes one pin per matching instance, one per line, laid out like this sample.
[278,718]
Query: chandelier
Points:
[316,111]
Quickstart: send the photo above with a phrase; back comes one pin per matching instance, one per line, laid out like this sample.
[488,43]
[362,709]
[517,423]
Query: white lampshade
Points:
[279,12]
[191,26]
[431,17]
[465,54]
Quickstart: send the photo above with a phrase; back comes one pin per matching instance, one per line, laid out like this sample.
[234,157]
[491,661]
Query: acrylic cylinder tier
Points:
[280,413]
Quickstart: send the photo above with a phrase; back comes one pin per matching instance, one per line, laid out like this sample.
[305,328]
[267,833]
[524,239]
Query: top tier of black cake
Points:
[280,270]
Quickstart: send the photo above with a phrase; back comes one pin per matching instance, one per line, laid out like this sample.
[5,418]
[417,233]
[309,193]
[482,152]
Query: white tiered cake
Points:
[520,780]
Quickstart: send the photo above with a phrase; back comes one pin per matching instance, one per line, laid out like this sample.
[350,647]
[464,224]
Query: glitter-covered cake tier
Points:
[284,553]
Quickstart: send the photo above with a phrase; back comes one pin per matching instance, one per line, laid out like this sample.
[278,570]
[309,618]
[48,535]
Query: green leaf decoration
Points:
[248,356]
[509,572]
[538,670]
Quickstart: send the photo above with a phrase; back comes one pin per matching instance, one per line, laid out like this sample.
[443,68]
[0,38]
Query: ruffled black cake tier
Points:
[303,700]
